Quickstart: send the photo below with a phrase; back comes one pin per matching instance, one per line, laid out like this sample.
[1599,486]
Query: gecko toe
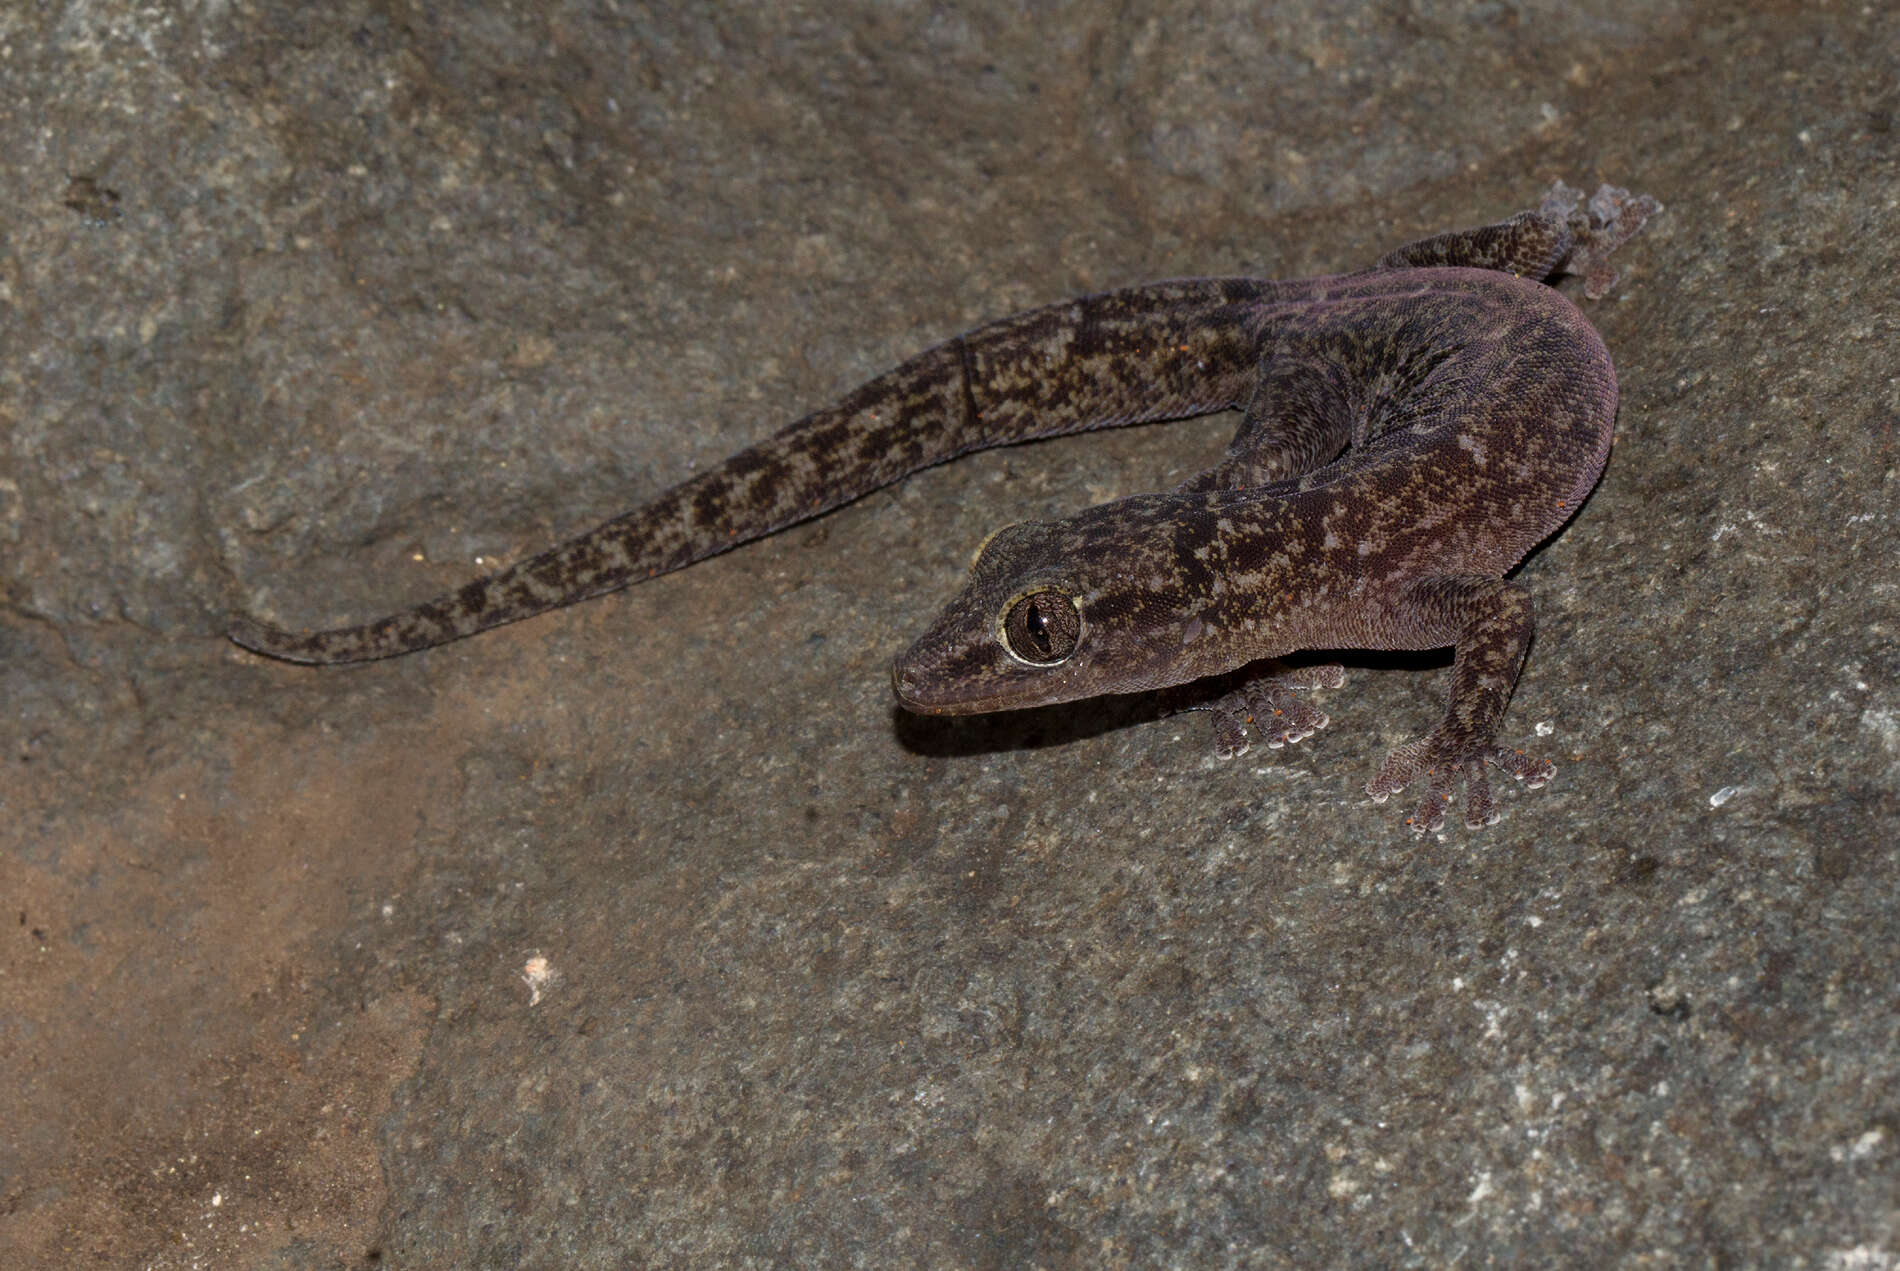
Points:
[1230,736]
[1444,765]
[1532,770]
[1268,709]
[1479,809]
[1400,769]
[1430,816]
[1611,218]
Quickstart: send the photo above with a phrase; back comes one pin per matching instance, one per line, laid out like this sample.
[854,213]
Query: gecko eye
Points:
[1042,628]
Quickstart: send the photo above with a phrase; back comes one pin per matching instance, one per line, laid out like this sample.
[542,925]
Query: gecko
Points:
[1408,433]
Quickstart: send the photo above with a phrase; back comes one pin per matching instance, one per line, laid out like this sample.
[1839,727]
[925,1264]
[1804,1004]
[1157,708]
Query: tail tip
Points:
[262,638]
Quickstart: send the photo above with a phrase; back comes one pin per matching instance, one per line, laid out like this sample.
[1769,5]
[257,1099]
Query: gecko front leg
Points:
[1490,622]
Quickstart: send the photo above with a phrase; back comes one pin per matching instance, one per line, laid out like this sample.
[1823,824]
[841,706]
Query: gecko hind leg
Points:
[1268,708]
[1298,420]
[1565,234]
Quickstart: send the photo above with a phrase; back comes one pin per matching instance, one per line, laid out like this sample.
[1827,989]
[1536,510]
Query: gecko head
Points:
[1055,611]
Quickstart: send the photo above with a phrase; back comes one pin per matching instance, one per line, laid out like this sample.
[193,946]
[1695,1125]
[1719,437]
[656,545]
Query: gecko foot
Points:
[1443,765]
[1611,218]
[1269,709]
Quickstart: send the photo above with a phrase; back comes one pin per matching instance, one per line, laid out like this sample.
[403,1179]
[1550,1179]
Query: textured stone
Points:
[648,933]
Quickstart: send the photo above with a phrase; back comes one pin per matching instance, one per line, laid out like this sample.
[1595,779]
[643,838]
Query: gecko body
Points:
[1410,432]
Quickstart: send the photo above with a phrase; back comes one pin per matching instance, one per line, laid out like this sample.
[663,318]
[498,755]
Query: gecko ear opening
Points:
[1041,628]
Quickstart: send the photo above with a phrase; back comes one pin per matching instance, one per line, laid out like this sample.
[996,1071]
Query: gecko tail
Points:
[1063,368]
[386,638]
[639,545]
[310,648]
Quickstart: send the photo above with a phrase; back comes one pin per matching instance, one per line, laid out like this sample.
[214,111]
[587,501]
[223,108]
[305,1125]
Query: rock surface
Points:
[649,933]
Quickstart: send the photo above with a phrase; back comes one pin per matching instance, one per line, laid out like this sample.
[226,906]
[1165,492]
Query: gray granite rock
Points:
[649,933]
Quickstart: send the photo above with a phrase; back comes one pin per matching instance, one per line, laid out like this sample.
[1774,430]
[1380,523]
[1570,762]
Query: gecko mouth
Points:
[911,686]
[933,681]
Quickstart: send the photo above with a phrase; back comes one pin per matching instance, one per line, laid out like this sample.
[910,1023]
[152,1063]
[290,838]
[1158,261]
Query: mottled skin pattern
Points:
[1410,432]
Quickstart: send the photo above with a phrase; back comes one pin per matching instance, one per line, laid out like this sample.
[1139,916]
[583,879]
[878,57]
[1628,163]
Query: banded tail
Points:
[1164,351]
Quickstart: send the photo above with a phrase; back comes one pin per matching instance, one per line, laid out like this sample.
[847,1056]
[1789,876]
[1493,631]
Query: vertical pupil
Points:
[1038,627]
